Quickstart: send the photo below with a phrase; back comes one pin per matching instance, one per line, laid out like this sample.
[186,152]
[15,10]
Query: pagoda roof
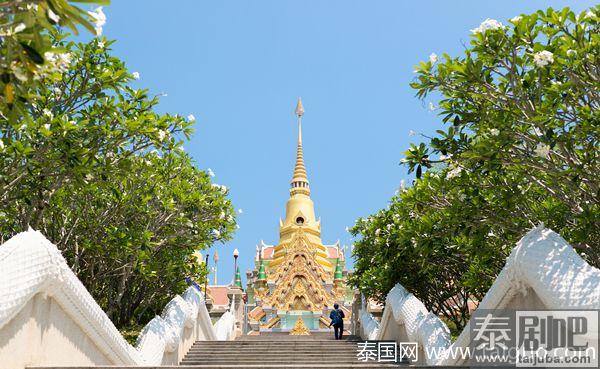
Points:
[332,251]
[218,294]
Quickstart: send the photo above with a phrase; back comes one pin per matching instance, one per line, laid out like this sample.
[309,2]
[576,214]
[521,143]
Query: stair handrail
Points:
[30,265]
[368,324]
[225,326]
[542,262]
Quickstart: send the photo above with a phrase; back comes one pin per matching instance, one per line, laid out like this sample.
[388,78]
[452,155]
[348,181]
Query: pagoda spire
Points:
[238,278]
[300,179]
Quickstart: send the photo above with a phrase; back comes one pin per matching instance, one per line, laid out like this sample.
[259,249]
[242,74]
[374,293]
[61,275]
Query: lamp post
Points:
[237,279]
[236,253]
[206,282]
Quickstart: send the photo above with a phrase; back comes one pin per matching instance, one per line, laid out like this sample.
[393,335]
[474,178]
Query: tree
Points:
[131,237]
[27,54]
[524,101]
[104,176]
[86,121]
[521,148]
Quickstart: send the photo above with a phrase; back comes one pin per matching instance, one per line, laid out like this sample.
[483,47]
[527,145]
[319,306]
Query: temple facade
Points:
[299,277]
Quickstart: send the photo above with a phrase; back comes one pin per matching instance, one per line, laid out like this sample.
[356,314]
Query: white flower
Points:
[99,19]
[19,72]
[571,52]
[431,106]
[412,133]
[216,233]
[191,117]
[47,126]
[543,58]
[1,144]
[538,132]
[488,24]
[162,135]
[453,172]
[516,19]
[55,18]
[65,59]
[494,132]
[101,44]
[57,62]
[462,196]
[240,211]
[20,27]
[542,150]
[210,172]
[135,75]
[433,58]
[221,188]
[377,232]
[11,31]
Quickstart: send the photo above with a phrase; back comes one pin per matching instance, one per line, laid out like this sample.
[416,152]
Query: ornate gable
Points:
[300,279]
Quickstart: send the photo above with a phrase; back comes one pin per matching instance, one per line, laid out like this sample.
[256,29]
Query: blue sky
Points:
[239,66]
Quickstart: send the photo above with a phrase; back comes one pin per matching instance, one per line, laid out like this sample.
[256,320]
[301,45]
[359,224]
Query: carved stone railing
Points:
[368,324]
[542,272]
[47,317]
[225,327]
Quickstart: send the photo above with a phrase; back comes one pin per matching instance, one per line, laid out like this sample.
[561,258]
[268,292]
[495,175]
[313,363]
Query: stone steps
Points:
[271,352]
[278,351]
[235,366]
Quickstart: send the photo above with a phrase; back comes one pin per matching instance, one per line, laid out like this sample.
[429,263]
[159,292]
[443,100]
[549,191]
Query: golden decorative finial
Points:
[300,179]
[299,108]
[300,328]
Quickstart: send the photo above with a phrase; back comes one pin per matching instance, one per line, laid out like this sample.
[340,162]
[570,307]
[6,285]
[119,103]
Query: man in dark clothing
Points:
[337,320]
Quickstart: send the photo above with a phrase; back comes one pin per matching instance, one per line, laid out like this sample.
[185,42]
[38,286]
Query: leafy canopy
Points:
[95,168]
[520,147]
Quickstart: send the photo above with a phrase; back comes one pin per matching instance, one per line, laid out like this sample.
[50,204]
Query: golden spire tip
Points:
[299,108]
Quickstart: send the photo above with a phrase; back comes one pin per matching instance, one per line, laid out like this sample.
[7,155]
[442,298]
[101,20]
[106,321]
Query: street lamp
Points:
[236,253]
[206,282]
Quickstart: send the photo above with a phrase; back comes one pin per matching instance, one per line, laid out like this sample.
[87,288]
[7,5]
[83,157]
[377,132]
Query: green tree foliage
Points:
[521,148]
[99,172]
[27,54]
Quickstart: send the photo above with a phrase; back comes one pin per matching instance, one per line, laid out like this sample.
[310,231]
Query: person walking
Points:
[337,320]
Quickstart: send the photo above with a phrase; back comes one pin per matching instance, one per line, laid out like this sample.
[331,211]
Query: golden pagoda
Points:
[300,277]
